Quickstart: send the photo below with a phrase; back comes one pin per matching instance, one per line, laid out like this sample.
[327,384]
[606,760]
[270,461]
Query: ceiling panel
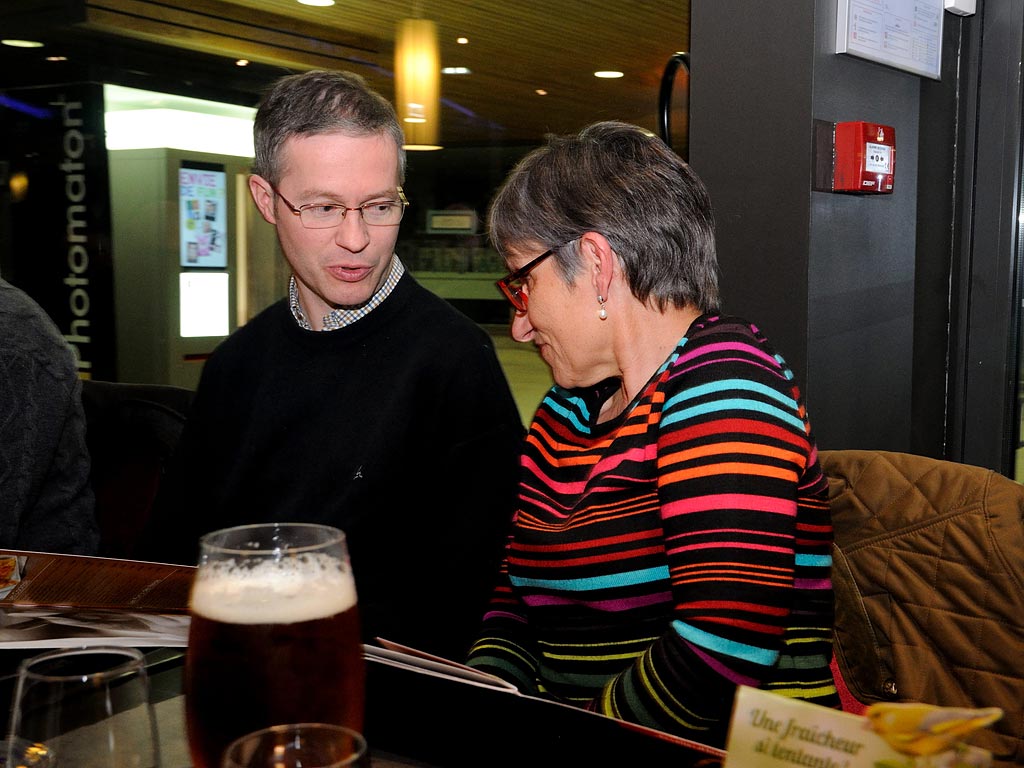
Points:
[515,47]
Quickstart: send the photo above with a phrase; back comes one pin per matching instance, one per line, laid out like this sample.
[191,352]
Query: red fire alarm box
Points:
[864,157]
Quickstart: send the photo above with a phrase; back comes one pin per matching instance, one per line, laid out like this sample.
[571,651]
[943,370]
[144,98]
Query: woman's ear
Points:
[599,261]
[263,196]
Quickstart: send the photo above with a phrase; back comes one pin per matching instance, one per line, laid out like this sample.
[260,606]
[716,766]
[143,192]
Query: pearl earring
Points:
[602,313]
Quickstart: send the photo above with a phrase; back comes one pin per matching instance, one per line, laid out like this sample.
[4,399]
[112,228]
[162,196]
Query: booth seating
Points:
[131,431]
[928,568]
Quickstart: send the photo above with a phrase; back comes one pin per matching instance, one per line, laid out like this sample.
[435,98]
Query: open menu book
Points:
[397,655]
[403,657]
[51,600]
[47,579]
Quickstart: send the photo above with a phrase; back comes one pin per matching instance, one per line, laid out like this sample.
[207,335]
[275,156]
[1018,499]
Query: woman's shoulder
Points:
[716,342]
[719,326]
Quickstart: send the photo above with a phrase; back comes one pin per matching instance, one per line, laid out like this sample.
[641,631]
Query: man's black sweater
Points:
[400,429]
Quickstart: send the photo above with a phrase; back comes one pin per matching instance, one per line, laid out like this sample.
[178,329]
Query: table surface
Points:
[165,675]
[420,720]
[165,682]
[170,718]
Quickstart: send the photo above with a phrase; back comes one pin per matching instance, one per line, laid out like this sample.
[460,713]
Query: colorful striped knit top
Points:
[662,558]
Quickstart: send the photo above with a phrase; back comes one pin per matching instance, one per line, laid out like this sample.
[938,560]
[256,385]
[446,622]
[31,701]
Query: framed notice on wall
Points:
[905,34]
[202,202]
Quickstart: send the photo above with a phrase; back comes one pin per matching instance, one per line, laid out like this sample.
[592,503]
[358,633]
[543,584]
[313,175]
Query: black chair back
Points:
[132,430]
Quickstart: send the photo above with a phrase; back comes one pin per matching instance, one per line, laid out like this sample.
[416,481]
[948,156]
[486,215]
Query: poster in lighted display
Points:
[203,215]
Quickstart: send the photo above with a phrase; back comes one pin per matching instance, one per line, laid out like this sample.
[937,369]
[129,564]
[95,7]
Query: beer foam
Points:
[314,586]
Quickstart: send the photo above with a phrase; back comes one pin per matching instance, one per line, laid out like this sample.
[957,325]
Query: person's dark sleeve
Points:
[504,647]
[44,461]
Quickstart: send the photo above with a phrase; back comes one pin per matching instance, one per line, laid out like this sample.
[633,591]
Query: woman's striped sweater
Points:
[662,558]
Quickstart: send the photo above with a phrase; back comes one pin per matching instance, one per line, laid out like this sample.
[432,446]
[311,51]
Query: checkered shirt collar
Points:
[341,317]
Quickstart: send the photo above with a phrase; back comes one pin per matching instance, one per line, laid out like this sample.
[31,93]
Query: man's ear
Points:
[599,261]
[263,196]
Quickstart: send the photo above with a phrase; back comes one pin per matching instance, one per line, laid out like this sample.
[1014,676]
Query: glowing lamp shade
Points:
[418,82]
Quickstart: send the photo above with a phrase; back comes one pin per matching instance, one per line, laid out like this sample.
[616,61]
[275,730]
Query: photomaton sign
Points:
[52,137]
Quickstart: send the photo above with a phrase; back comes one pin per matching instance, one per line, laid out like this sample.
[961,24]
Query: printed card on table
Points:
[772,731]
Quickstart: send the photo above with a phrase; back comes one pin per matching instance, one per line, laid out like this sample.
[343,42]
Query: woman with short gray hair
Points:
[672,536]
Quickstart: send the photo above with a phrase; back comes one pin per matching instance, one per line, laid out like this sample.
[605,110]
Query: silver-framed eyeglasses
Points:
[513,285]
[375,213]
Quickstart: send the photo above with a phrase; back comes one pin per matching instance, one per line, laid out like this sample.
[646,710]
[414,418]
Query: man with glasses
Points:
[361,400]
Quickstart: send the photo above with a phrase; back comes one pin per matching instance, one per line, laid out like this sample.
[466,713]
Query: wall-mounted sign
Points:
[203,217]
[452,222]
[905,34]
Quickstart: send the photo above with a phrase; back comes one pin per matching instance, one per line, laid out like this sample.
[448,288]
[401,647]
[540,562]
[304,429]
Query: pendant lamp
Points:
[418,83]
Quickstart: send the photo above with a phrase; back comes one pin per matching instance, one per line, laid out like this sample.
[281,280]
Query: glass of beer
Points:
[275,635]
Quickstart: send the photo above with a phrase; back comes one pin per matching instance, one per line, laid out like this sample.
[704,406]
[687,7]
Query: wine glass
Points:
[85,708]
[302,745]
[19,753]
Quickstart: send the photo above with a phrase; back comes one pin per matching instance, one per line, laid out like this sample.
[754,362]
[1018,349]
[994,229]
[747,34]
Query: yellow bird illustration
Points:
[926,729]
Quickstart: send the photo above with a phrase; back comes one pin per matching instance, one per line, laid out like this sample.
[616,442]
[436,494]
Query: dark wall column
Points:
[57,246]
[751,72]
[944,129]
[831,278]
[862,254]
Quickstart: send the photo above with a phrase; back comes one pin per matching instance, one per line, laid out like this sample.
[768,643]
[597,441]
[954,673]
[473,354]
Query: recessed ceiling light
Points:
[22,43]
[541,92]
[455,71]
[56,58]
[461,40]
[317,3]
[242,63]
[608,74]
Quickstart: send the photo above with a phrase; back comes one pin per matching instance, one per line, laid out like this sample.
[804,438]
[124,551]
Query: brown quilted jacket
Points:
[928,572]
